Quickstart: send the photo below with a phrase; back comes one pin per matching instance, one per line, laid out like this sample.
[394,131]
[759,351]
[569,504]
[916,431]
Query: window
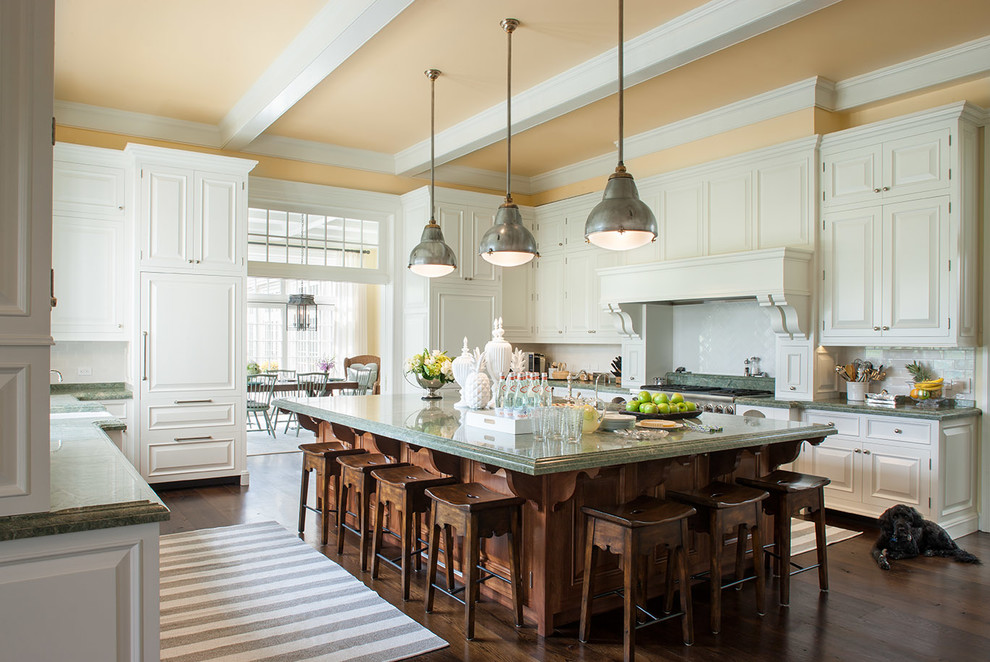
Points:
[269,341]
[315,240]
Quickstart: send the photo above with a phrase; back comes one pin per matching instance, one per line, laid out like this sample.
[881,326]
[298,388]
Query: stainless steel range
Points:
[708,398]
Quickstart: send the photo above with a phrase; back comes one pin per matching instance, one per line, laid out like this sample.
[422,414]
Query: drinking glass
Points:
[574,417]
[540,419]
[555,424]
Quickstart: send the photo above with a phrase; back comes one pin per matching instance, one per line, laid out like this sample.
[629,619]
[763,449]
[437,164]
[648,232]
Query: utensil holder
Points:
[856,391]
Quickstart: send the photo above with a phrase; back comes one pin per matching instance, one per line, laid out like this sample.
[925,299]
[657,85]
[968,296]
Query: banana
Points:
[931,383]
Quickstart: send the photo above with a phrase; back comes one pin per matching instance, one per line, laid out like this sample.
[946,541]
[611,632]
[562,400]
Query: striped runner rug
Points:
[803,535]
[257,592]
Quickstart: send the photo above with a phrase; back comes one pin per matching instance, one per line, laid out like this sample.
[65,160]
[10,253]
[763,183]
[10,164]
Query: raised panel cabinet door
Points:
[852,283]
[550,233]
[783,208]
[90,189]
[518,302]
[957,478]
[481,220]
[838,460]
[682,220]
[462,314]
[916,268]
[602,321]
[218,222]
[633,364]
[916,164]
[852,175]
[191,333]
[578,276]
[166,217]
[730,214]
[88,259]
[550,296]
[793,370]
[894,474]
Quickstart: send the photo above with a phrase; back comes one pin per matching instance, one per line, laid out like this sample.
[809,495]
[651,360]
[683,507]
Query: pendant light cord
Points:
[432,74]
[621,105]
[508,25]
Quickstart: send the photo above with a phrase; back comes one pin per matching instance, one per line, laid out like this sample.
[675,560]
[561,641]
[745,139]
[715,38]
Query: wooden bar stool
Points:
[355,475]
[791,492]
[404,488]
[321,458]
[727,509]
[633,531]
[476,512]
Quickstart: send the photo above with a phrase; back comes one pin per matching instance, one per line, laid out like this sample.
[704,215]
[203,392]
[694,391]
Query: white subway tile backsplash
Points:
[717,336]
[106,361]
[957,366]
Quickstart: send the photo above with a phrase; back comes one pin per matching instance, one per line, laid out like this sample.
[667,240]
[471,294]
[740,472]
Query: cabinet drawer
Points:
[887,429]
[190,456]
[191,413]
[846,424]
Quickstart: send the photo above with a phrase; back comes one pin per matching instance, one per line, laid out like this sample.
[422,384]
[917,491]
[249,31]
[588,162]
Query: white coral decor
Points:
[478,388]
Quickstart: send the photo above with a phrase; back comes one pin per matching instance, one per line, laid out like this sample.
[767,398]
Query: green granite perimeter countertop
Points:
[94,391]
[437,425]
[93,485]
[903,409]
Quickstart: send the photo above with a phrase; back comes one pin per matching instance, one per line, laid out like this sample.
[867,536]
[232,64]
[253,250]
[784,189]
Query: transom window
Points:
[286,237]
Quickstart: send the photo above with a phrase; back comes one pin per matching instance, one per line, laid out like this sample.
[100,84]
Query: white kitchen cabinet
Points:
[900,166]
[519,302]
[463,226]
[550,232]
[87,182]
[899,220]
[192,210]
[794,367]
[91,277]
[886,273]
[682,220]
[579,275]
[459,312]
[549,297]
[875,462]
[192,330]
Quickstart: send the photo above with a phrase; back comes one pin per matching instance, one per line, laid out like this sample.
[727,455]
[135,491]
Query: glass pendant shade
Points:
[508,243]
[621,221]
[432,257]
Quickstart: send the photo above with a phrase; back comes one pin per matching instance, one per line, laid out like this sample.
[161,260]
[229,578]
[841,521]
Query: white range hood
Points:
[778,278]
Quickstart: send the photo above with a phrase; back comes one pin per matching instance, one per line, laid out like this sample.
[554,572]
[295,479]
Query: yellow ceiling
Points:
[184,59]
[194,59]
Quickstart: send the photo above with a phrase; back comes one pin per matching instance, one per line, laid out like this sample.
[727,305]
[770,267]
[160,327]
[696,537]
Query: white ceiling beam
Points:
[700,32]
[333,35]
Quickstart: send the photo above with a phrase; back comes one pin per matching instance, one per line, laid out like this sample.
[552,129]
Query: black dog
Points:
[904,534]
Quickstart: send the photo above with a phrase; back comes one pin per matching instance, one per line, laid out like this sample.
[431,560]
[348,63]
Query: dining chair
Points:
[261,389]
[308,385]
[359,373]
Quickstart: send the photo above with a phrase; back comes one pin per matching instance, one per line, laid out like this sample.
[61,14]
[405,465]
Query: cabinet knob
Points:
[121,207]
[876,328]
[856,450]
[191,261]
[885,188]
[560,244]
[876,190]
[592,331]
[793,388]
[559,331]
[885,328]
[866,452]
[897,431]
[831,424]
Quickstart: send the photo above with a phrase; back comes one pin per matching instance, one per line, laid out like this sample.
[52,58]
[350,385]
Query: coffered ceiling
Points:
[341,82]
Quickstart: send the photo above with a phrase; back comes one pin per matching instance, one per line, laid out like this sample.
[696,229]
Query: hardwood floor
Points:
[923,609]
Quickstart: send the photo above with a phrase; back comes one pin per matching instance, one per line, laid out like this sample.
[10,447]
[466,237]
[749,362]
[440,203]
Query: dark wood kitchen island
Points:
[558,478]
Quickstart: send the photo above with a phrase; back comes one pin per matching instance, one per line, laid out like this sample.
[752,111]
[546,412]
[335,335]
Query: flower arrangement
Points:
[253,368]
[431,365]
[268,366]
[325,365]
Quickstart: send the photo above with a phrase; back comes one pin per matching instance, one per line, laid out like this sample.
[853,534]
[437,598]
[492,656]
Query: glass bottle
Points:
[546,399]
[521,403]
[509,400]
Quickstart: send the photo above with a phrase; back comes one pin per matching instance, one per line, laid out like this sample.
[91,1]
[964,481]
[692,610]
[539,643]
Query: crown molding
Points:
[333,35]
[488,179]
[693,35]
[140,125]
[946,66]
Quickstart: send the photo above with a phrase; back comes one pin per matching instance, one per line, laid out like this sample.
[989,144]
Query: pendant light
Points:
[432,256]
[621,221]
[508,243]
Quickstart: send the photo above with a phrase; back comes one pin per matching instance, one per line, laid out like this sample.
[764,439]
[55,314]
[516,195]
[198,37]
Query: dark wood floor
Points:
[923,609]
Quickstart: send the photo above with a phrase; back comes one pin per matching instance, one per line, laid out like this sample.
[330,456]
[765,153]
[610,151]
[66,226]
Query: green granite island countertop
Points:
[437,425]
[905,409]
[93,486]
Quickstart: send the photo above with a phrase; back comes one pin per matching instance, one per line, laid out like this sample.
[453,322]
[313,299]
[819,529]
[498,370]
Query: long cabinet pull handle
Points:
[206,438]
[144,359]
[193,402]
